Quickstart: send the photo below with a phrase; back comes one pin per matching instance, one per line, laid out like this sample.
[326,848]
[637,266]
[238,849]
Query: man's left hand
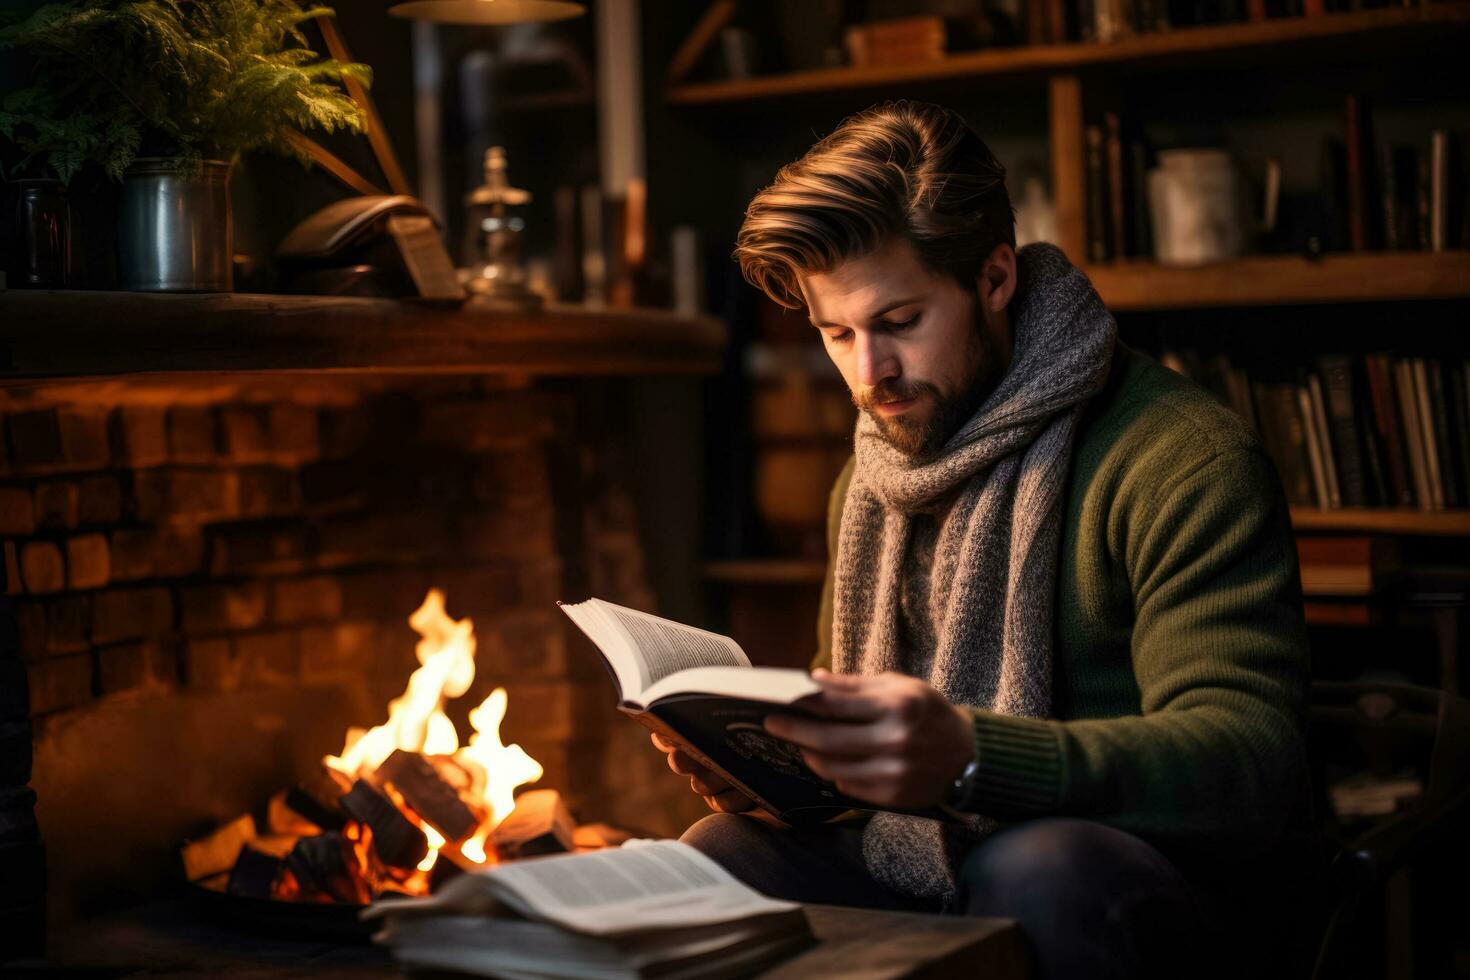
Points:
[891,739]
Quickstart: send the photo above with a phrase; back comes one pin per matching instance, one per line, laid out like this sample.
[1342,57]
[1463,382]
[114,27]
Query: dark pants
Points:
[1094,902]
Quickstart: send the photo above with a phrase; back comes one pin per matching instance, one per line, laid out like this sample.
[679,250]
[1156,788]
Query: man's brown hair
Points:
[909,168]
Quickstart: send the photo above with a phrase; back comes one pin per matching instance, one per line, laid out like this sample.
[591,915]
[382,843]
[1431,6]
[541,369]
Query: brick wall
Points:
[175,546]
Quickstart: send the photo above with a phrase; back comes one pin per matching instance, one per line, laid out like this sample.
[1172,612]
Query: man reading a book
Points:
[1062,600]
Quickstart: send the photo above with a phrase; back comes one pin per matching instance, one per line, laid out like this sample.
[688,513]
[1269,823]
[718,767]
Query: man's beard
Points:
[920,437]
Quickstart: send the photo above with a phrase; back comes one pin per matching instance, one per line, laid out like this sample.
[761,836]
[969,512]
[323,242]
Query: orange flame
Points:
[417,723]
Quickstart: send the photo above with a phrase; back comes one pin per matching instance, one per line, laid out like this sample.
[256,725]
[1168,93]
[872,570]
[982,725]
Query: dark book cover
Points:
[1391,211]
[1389,427]
[1140,223]
[1355,145]
[1284,430]
[1116,185]
[1375,460]
[1337,383]
[729,735]
[1097,208]
[1450,472]
[1038,31]
[1423,205]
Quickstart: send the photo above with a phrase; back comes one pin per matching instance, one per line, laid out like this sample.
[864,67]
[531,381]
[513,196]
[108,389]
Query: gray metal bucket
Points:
[175,232]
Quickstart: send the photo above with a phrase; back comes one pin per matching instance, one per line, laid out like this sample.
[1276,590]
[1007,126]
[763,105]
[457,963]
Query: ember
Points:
[377,818]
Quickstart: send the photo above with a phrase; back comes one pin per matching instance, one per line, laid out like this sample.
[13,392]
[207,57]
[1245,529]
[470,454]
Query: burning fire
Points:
[417,723]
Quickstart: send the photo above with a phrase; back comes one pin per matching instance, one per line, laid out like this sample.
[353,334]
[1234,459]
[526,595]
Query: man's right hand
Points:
[720,795]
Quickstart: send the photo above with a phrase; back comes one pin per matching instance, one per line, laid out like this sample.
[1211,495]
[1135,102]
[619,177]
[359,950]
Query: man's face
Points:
[919,353]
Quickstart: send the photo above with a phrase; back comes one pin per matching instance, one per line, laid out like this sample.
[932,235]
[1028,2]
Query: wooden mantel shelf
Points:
[77,334]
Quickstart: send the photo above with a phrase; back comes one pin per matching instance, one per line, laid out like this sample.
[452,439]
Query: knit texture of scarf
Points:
[982,579]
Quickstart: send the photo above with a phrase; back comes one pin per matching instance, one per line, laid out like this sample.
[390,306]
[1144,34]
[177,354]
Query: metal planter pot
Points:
[175,231]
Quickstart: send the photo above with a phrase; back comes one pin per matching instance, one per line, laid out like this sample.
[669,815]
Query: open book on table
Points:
[699,690]
[648,908]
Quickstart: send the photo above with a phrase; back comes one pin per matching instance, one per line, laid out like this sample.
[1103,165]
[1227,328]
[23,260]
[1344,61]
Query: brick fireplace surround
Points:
[210,580]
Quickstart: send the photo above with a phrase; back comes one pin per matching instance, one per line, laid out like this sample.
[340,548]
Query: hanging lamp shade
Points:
[486,11]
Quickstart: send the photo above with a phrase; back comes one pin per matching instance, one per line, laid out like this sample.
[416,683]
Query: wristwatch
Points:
[964,784]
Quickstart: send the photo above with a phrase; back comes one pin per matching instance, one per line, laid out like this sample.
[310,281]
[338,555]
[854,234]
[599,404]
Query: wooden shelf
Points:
[767,571]
[76,334]
[1264,280]
[1383,520]
[1382,29]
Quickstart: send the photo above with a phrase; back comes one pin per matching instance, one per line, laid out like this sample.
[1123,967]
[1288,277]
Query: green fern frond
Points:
[198,77]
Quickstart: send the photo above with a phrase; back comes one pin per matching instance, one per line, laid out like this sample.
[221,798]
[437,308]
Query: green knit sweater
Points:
[1180,656]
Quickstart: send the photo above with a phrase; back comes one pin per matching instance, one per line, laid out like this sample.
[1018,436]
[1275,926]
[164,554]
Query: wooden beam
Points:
[332,163]
[377,134]
[709,26]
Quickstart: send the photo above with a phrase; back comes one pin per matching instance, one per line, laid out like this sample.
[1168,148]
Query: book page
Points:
[666,646]
[641,885]
[641,648]
[778,685]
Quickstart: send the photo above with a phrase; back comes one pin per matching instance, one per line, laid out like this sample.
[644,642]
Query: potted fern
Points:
[165,95]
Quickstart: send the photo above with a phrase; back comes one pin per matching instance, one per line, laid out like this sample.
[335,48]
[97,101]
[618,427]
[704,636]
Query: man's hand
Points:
[891,740]
[720,795]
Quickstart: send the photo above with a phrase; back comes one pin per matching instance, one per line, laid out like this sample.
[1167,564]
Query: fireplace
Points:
[211,577]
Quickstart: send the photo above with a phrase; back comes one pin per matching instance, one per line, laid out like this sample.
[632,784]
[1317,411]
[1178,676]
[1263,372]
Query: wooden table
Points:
[173,938]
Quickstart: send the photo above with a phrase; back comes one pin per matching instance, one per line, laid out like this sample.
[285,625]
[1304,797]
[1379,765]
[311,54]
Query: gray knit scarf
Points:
[947,564]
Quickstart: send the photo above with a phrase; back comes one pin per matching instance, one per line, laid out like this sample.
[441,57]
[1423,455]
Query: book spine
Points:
[1314,448]
[1422,209]
[1314,8]
[1337,383]
[1140,222]
[1255,10]
[1097,236]
[1375,466]
[1426,432]
[1390,198]
[1116,184]
[1390,429]
[1295,431]
[1449,467]
[1037,29]
[1439,203]
[1319,419]
[1057,27]
[1288,435]
[1356,183]
[1413,435]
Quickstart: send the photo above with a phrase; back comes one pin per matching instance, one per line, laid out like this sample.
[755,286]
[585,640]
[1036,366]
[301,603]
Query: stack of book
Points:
[648,908]
[1391,196]
[1370,430]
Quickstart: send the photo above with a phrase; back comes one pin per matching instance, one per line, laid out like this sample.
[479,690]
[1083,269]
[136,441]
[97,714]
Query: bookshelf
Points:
[1382,520]
[1283,39]
[1134,285]
[1063,87]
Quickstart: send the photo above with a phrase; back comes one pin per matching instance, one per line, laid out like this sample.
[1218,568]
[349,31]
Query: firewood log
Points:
[219,851]
[596,836]
[318,799]
[323,866]
[540,824]
[398,843]
[423,789]
[254,874]
[282,818]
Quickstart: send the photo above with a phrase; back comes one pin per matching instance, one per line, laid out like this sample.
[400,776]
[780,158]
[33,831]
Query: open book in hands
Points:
[698,690]
[648,908]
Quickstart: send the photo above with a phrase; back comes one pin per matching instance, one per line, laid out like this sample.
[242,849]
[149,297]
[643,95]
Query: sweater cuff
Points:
[1019,767]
